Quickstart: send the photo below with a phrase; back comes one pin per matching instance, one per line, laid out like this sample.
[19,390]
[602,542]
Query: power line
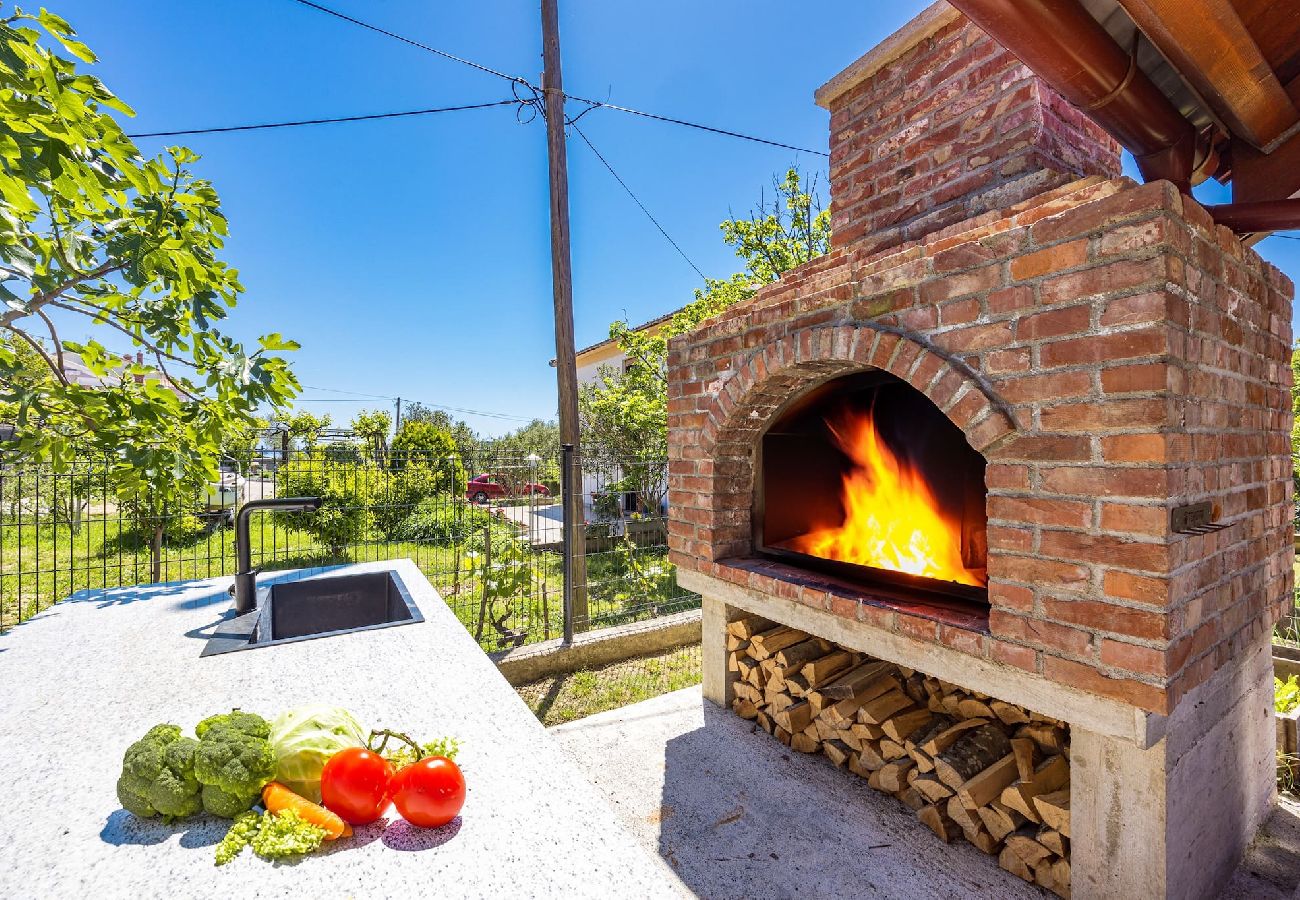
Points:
[636,200]
[405,40]
[458,409]
[329,121]
[515,79]
[596,104]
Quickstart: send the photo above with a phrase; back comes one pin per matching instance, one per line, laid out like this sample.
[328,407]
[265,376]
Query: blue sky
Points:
[410,257]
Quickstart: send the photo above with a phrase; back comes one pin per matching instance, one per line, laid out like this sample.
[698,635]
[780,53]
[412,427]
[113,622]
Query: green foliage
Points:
[464,437]
[443,522]
[625,413]
[505,575]
[422,443]
[345,513]
[303,427]
[372,427]
[397,494]
[95,234]
[158,775]
[1286,694]
[509,455]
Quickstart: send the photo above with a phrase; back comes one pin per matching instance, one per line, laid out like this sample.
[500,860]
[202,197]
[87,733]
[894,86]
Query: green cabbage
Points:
[305,738]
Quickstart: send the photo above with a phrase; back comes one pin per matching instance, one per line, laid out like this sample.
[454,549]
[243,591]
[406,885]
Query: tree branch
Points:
[35,345]
[54,337]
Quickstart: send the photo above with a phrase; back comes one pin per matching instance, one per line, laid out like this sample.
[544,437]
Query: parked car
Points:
[483,488]
[224,495]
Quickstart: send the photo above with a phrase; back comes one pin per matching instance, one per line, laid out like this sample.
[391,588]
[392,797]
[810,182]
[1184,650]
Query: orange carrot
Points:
[277,798]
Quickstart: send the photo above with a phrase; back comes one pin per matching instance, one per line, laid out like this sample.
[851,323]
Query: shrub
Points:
[397,493]
[443,521]
[345,515]
[425,444]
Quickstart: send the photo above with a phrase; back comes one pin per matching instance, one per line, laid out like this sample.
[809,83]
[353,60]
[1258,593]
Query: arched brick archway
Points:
[711,478]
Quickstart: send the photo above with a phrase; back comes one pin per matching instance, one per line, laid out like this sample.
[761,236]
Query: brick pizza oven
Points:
[1086,383]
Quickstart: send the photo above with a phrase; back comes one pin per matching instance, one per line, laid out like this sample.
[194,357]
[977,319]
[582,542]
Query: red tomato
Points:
[354,784]
[428,793]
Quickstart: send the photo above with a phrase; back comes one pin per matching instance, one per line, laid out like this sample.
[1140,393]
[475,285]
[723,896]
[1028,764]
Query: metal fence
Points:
[484,527]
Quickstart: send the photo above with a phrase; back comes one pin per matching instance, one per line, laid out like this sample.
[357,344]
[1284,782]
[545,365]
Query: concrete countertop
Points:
[92,674]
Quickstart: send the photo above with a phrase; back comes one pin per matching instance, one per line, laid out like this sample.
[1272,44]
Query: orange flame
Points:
[891,518]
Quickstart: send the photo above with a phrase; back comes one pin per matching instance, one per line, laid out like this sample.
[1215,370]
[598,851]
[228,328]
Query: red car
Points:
[483,488]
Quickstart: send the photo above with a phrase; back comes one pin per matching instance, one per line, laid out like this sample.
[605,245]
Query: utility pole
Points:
[566,364]
[398,424]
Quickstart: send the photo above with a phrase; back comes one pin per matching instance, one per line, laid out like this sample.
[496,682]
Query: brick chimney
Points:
[939,123]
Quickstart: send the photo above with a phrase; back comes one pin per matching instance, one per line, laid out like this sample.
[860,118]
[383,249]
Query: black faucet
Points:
[245,588]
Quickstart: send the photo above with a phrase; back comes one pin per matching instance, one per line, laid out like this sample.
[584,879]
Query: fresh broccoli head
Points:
[234,761]
[158,775]
[248,723]
[226,805]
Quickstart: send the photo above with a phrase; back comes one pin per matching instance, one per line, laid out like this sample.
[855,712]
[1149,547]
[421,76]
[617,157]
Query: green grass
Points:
[563,698]
[41,565]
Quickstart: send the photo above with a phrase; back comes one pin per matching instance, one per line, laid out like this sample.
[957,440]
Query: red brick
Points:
[1117,276]
[974,282]
[1041,388]
[844,607]
[1105,348]
[1136,588]
[1014,655]
[1106,414]
[1087,547]
[1153,520]
[917,627]
[1149,307]
[1048,448]
[1135,448]
[1049,259]
[971,642]
[1008,477]
[1041,511]
[1133,657]
[1093,481]
[1054,323]
[1046,573]
[1011,596]
[1132,379]
[997,362]
[1010,299]
[1035,632]
[1085,677]
[1098,616]
[959,312]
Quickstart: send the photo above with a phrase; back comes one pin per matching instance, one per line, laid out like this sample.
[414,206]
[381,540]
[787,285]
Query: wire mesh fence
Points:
[485,528]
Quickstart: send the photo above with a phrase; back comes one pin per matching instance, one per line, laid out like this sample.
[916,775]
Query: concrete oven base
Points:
[1174,820]
[1161,806]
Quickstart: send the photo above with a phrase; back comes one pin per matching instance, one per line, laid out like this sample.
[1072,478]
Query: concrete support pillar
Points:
[1174,820]
[714,617]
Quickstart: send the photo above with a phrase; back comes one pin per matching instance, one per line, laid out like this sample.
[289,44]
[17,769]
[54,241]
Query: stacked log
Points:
[971,766]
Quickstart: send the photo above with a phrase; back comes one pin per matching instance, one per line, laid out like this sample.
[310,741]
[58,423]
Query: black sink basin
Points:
[315,608]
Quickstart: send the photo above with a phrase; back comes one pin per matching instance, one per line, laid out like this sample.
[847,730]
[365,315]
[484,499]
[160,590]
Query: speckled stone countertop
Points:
[81,681]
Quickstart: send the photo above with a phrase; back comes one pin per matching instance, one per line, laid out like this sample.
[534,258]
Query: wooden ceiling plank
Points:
[1258,176]
[1212,49]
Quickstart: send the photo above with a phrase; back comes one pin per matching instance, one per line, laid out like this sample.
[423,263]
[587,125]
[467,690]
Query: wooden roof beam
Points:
[1209,45]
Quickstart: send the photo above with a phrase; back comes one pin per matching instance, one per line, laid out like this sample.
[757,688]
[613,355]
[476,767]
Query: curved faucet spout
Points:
[245,574]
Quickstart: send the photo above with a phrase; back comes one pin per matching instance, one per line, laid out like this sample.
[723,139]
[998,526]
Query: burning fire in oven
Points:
[891,517]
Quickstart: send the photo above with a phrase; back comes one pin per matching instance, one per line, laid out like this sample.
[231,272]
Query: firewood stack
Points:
[969,765]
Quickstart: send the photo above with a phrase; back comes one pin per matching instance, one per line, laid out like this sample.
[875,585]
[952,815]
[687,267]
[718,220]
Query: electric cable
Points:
[649,215]
[328,121]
